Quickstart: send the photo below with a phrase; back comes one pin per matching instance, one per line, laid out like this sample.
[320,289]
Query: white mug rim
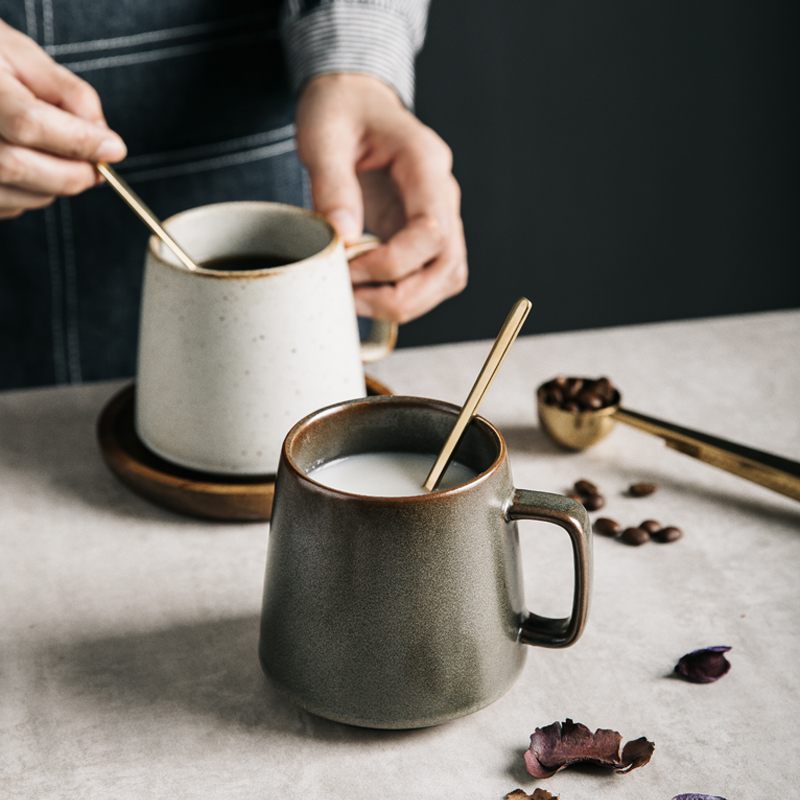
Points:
[154,243]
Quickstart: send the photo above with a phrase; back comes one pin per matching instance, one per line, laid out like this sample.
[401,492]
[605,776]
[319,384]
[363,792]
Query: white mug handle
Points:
[382,335]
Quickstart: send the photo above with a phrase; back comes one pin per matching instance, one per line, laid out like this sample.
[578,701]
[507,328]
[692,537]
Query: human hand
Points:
[51,128]
[372,162]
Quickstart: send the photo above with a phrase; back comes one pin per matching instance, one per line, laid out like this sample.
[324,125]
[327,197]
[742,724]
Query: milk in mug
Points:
[387,474]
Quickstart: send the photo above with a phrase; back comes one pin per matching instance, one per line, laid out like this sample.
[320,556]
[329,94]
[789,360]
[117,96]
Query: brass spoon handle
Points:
[779,474]
[147,216]
[511,327]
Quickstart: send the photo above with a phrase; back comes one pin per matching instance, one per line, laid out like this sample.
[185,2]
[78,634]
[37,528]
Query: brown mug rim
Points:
[289,462]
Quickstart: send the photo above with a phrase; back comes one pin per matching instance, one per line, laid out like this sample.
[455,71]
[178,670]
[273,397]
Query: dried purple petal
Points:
[704,666]
[697,797]
[559,745]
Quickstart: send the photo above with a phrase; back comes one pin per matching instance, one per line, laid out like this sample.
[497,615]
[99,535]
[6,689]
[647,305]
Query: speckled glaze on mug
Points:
[230,360]
[404,612]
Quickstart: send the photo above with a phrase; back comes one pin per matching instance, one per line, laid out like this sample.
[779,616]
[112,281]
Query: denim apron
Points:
[198,91]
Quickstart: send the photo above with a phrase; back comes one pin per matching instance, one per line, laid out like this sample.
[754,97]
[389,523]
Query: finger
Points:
[50,81]
[422,173]
[27,121]
[329,156]
[41,173]
[416,294]
[14,201]
[418,243]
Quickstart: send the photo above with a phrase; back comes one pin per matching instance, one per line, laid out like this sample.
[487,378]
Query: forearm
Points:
[379,38]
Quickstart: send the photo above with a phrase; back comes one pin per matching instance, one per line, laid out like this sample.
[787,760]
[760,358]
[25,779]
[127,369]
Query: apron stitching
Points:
[56,315]
[47,22]
[165,52]
[31,25]
[148,37]
[71,293]
[279,148]
[305,183]
[174,156]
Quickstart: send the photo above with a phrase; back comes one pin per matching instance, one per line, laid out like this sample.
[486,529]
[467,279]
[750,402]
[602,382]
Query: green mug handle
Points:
[382,336]
[572,517]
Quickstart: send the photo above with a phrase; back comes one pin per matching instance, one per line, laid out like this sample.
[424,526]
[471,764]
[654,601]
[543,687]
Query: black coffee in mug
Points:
[246,263]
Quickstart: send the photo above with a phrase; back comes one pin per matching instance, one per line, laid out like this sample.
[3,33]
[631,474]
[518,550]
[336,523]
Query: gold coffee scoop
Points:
[145,214]
[577,430]
[511,327]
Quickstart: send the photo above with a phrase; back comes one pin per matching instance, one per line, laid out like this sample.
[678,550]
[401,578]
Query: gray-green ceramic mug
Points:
[404,612]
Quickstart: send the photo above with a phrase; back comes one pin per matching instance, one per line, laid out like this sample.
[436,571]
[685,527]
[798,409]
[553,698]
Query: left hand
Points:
[372,162]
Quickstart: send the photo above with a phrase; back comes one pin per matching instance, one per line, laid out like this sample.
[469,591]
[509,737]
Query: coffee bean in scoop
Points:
[578,394]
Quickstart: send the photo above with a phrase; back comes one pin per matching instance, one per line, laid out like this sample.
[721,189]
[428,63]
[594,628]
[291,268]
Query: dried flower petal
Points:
[697,797]
[559,745]
[704,666]
[538,794]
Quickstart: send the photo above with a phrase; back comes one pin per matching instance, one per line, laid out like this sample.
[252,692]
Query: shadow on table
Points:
[208,670]
[50,442]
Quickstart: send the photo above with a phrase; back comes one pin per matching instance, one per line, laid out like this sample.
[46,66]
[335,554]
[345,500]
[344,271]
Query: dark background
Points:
[620,162]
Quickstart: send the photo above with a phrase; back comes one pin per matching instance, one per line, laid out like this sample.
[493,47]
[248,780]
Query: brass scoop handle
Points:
[780,474]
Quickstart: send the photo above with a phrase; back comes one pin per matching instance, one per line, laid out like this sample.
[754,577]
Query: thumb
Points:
[335,190]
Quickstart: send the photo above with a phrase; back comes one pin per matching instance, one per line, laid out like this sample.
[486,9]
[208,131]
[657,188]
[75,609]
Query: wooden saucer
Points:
[199,494]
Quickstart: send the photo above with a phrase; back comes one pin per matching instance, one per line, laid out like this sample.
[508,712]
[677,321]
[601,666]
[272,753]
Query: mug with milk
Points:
[386,606]
[233,354]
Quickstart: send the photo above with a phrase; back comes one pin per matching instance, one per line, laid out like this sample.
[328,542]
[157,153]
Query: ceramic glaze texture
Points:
[393,612]
[229,361]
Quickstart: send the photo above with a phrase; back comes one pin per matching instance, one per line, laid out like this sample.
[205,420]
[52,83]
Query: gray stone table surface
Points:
[128,664]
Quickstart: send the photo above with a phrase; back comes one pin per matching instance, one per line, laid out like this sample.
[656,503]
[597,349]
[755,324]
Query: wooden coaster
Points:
[198,494]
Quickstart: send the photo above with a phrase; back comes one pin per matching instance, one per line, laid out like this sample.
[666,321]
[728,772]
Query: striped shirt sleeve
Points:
[375,37]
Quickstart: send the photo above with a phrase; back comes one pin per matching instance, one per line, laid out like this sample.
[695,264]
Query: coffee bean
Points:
[586,487]
[589,400]
[575,496]
[554,396]
[642,489]
[573,388]
[606,526]
[668,534]
[651,526]
[604,388]
[593,502]
[578,394]
[635,536]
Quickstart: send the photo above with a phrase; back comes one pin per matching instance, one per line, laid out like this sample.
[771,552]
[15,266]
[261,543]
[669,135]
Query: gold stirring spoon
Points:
[146,215]
[502,344]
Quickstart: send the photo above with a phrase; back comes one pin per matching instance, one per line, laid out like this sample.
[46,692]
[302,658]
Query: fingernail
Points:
[345,223]
[111,149]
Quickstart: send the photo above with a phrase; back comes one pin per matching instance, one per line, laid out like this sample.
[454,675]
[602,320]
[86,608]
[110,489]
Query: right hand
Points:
[51,128]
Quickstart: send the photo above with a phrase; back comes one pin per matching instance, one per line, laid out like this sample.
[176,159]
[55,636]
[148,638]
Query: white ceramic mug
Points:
[230,360]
